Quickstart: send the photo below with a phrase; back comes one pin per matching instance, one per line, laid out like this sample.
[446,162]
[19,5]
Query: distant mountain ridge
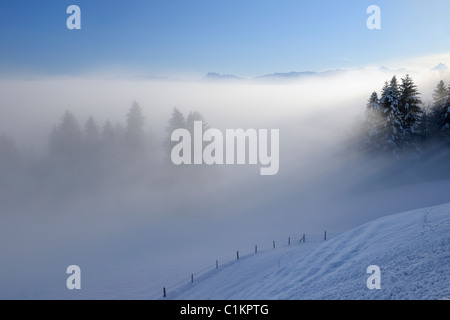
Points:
[440,67]
[217,76]
[214,76]
[294,75]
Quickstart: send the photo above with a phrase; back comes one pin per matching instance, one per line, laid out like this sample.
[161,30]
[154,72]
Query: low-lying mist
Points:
[102,208]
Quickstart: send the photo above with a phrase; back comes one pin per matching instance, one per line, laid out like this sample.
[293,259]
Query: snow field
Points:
[411,248]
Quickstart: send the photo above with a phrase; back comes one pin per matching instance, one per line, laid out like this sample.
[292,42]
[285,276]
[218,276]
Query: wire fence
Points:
[220,261]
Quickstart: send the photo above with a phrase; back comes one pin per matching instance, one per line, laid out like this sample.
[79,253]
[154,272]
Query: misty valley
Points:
[143,181]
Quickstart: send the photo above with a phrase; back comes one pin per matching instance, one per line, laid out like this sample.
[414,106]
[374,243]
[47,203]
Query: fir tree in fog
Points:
[432,116]
[91,136]
[393,131]
[176,121]
[441,112]
[411,113]
[108,134]
[191,118]
[135,134]
[373,123]
[440,95]
[66,138]
[109,139]
[396,122]
[426,123]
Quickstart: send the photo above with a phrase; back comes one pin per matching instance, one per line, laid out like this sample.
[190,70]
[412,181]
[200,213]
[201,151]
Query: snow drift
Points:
[411,248]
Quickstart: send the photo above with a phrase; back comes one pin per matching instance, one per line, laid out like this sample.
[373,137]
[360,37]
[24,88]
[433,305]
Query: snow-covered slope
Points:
[411,248]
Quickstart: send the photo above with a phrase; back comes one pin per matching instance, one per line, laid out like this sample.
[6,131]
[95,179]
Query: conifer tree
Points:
[445,117]
[66,138]
[373,122]
[440,95]
[91,134]
[393,131]
[108,134]
[191,118]
[176,121]
[440,115]
[135,127]
[411,112]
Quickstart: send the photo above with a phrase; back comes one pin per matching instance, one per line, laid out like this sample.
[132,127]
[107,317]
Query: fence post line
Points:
[256,251]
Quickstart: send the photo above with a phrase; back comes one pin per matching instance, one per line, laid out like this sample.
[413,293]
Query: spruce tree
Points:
[411,112]
[176,121]
[445,117]
[135,127]
[440,95]
[395,87]
[393,131]
[373,122]
[109,143]
[383,93]
[66,138]
[440,116]
[108,134]
[91,134]
[191,118]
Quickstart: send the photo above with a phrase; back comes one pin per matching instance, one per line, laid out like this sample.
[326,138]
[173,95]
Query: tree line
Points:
[395,121]
[398,121]
[71,141]
[85,157]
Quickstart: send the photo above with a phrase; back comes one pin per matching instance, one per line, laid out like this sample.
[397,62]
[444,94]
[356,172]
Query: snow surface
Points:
[411,248]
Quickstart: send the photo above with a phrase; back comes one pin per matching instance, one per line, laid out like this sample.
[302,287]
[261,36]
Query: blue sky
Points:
[247,38]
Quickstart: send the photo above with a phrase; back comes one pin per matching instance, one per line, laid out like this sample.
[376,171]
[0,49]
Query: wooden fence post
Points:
[274,244]
[289,241]
[325,236]
[164,292]
[237,255]
[192,278]
[256,249]
[217,264]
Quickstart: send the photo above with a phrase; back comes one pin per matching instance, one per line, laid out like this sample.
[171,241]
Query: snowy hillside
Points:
[411,248]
